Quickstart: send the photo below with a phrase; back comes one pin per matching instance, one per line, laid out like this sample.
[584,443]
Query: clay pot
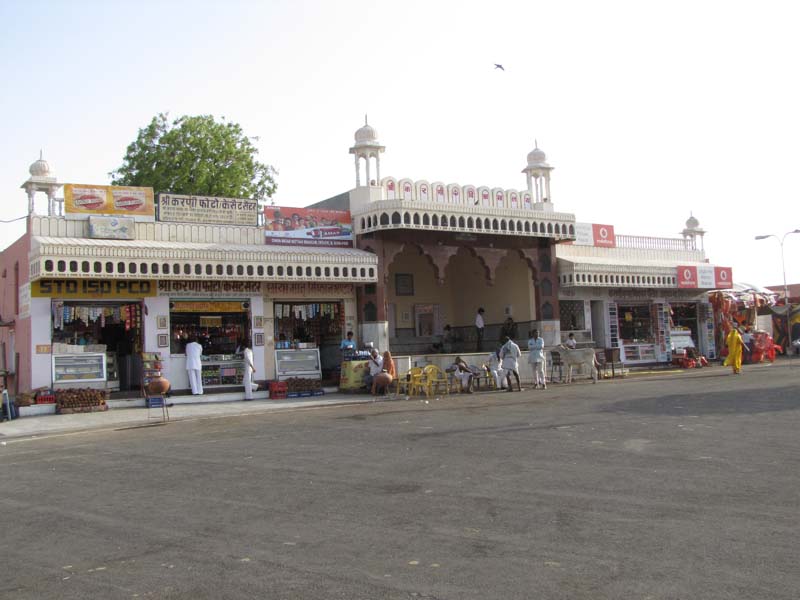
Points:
[158,386]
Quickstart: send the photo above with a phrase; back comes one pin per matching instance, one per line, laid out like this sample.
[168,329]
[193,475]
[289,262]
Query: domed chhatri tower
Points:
[367,147]
[537,173]
[692,232]
[41,181]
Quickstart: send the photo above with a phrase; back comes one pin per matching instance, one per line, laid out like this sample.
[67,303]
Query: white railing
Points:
[643,242]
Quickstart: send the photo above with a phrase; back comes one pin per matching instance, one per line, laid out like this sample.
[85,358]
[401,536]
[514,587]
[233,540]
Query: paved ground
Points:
[663,487]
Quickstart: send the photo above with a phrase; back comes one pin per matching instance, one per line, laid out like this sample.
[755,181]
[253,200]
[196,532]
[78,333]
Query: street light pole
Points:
[785,286]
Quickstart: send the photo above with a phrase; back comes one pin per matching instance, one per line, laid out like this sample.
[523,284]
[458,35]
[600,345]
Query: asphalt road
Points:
[662,487]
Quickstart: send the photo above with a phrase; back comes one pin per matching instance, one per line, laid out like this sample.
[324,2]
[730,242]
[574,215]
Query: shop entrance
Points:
[304,325]
[684,316]
[113,328]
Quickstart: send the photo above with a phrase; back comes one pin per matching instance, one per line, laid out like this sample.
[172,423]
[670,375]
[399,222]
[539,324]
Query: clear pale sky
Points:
[646,110]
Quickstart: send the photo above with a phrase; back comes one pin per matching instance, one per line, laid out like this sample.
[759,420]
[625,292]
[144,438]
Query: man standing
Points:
[510,354]
[249,371]
[348,345]
[193,366]
[479,325]
[536,359]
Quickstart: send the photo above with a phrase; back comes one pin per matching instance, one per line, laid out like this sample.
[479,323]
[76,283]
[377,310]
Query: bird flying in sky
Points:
[496,66]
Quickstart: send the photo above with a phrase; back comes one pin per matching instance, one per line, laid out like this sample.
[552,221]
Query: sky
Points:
[649,111]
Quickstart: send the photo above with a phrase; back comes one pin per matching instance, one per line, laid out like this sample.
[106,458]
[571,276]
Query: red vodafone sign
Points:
[603,236]
[687,276]
[706,277]
[723,277]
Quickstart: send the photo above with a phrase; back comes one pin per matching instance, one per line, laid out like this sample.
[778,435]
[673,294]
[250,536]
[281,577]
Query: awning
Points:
[75,258]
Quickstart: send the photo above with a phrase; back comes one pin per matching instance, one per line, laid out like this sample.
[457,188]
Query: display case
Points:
[298,363]
[112,371]
[87,369]
[222,370]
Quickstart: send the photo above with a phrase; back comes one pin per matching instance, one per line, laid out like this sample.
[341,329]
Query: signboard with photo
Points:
[291,226]
[81,200]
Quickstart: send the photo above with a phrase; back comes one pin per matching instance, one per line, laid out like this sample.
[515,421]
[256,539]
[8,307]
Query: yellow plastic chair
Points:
[409,384]
[434,379]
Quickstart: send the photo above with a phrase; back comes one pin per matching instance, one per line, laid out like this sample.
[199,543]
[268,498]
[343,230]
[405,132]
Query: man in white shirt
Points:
[510,354]
[249,371]
[375,366]
[194,366]
[536,359]
[479,325]
[493,366]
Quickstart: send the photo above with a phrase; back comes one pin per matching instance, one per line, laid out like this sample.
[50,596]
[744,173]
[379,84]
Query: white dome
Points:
[40,168]
[537,158]
[366,135]
[692,223]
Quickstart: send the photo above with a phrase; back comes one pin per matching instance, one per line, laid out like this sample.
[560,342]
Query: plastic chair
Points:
[481,375]
[410,383]
[434,379]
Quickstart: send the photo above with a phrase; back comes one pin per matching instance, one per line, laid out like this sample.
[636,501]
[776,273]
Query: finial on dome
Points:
[535,143]
[365,119]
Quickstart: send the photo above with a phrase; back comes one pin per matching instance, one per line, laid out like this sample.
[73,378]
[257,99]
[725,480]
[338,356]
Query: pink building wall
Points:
[16,254]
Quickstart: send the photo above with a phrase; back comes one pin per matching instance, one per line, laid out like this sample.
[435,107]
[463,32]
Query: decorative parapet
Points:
[81,258]
[439,216]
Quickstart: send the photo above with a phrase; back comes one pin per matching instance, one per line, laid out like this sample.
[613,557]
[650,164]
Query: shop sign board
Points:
[289,226]
[82,200]
[594,234]
[92,288]
[24,301]
[218,306]
[723,278]
[209,289]
[175,208]
[112,228]
[687,276]
[312,290]
[706,277]
[44,349]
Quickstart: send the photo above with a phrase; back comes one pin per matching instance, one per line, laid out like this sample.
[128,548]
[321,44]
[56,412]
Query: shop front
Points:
[305,326]
[94,331]
[220,315]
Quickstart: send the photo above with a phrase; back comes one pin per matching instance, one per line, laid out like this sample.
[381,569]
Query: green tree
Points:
[196,155]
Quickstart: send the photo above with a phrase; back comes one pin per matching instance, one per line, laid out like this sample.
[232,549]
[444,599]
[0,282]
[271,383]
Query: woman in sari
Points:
[735,346]
[386,376]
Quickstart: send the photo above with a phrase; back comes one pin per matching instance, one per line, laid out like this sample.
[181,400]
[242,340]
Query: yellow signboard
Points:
[222,306]
[93,288]
[43,348]
[135,202]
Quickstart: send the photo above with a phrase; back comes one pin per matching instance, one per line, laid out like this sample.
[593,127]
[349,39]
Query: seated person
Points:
[571,342]
[463,374]
[492,365]
[382,380]
[375,364]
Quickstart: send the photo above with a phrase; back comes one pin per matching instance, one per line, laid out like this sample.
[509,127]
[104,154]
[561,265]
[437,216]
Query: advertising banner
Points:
[705,277]
[176,208]
[723,278]
[603,236]
[83,200]
[112,228]
[594,234]
[308,227]
[687,276]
